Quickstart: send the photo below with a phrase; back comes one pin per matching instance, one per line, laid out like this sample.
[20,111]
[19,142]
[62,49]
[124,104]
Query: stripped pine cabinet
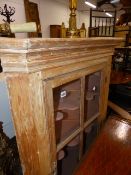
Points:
[58,90]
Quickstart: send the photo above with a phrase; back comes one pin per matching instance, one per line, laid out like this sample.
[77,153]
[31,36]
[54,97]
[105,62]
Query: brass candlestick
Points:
[72,31]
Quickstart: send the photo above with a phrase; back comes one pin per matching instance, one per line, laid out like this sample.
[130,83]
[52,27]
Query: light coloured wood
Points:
[105,88]
[50,125]
[82,101]
[91,120]
[38,54]
[29,119]
[81,69]
[66,141]
[123,113]
[2,76]
[33,68]
[121,31]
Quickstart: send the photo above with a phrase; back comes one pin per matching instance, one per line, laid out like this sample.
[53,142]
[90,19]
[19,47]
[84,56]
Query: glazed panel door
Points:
[74,112]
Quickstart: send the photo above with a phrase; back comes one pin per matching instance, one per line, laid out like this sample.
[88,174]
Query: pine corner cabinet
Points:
[58,91]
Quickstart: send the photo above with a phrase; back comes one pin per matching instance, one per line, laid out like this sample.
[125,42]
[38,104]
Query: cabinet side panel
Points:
[29,121]
[105,88]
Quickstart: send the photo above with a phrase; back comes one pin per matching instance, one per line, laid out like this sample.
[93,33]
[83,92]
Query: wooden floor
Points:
[111,152]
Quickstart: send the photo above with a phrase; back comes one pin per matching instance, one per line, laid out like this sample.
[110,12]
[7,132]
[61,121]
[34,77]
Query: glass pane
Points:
[90,134]
[92,94]
[68,158]
[67,109]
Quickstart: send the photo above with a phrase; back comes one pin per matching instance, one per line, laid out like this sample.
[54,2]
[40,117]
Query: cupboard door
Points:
[76,112]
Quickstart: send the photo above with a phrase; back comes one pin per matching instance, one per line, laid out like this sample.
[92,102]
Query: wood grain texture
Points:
[29,55]
[123,113]
[33,67]
[111,152]
[30,122]
[2,76]
[118,77]
[105,88]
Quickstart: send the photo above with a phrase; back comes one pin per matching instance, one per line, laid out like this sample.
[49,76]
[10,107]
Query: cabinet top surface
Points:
[29,55]
[37,43]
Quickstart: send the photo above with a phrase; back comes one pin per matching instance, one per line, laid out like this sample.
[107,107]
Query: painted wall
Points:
[19,15]
[55,12]
[84,17]
[50,12]
[5,113]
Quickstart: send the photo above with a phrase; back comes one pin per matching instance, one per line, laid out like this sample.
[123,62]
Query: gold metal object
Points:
[5,29]
[73,4]
[72,32]
[83,31]
[63,31]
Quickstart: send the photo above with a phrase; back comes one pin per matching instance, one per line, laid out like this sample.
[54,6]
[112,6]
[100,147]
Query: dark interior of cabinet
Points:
[90,133]
[0,67]
[70,159]
[92,94]
[67,107]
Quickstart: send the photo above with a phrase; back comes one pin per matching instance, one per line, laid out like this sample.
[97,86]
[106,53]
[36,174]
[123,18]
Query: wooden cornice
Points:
[31,55]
